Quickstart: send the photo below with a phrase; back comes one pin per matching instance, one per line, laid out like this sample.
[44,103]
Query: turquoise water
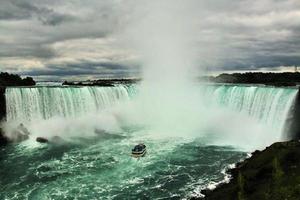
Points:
[102,168]
[93,161]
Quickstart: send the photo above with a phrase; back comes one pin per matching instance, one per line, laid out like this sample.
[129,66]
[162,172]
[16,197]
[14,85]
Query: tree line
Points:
[7,79]
[281,79]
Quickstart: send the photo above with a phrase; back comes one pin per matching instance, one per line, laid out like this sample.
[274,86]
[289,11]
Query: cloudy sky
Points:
[56,39]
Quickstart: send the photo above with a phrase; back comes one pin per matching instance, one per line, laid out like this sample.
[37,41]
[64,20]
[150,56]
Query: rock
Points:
[42,140]
[2,104]
[273,173]
[3,139]
[53,140]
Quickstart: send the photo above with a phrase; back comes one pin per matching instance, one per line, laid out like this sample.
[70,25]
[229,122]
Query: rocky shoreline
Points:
[273,173]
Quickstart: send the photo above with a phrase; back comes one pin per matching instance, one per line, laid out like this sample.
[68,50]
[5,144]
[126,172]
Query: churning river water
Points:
[95,163]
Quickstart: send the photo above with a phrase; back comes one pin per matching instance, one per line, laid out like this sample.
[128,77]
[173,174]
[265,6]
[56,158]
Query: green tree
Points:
[241,183]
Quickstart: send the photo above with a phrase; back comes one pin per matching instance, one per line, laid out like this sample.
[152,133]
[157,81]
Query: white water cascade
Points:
[233,114]
[268,105]
[27,104]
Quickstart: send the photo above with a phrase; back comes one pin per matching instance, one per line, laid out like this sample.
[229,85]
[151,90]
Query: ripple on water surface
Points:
[103,169]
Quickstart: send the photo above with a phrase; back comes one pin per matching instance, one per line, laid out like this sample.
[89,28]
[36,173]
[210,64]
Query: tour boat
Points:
[139,150]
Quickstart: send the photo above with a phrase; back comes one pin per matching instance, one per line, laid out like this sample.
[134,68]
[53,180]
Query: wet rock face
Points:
[293,130]
[2,103]
[3,139]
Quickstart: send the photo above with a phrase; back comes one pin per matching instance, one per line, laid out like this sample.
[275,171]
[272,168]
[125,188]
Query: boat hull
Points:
[138,154]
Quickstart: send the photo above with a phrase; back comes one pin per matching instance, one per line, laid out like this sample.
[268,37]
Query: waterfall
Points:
[268,105]
[27,104]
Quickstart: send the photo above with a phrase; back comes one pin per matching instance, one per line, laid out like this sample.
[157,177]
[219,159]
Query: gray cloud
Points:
[24,51]
[69,38]
[20,10]
[83,67]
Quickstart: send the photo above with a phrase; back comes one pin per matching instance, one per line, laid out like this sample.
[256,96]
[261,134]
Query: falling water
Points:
[267,105]
[27,104]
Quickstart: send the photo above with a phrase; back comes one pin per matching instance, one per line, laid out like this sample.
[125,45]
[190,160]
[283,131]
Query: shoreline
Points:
[267,174]
[226,179]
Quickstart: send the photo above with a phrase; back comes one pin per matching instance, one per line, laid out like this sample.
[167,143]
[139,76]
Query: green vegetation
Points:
[7,79]
[241,184]
[276,79]
[271,174]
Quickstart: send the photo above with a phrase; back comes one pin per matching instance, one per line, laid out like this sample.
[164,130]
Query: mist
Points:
[160,32]
[169,102]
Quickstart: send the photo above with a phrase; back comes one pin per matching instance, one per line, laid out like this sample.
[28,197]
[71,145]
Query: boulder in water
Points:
[3,139]
[53,140]
[42,140]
